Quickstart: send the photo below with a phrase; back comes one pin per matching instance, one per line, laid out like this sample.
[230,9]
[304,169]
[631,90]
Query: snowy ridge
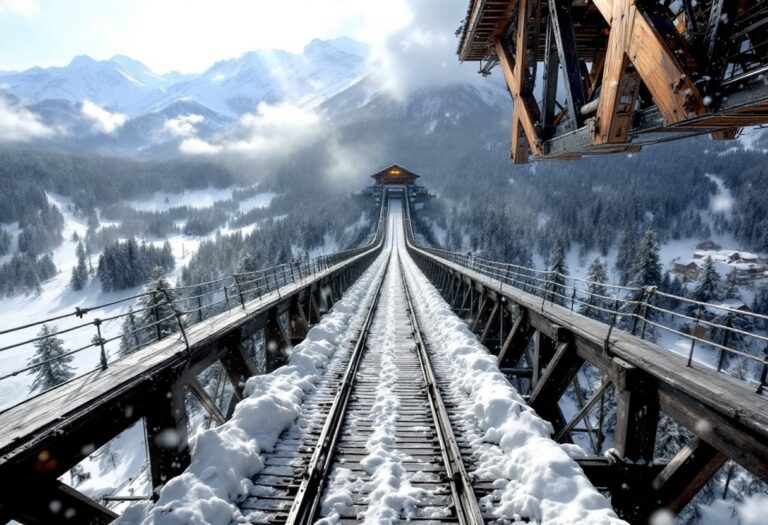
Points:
[536,477]
[224,459]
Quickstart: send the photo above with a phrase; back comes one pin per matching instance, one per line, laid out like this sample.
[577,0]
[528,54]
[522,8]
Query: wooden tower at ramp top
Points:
[618,74]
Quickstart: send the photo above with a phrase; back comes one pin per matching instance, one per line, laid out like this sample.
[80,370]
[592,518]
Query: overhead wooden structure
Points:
[618,74]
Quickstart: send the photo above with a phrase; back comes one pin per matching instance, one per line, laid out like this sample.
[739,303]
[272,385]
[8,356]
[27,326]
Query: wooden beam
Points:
[620,84]
[490,322]
[513,74]
[519,151]
[660,56]
[565,39]
[167,442]
[198,390]
[549,82]
[238,366]
[276,341]
[51,503]
[517,340]
[685,475]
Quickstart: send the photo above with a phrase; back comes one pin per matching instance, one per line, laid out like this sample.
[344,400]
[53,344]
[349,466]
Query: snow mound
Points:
[224,459]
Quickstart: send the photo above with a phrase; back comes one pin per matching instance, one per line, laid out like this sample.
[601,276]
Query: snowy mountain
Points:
[230,87]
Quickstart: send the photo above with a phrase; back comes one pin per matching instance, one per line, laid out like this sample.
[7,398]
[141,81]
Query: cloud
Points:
[183,125]
[102,120]
[18,124]
[271,133]
[421,53]
[24,8]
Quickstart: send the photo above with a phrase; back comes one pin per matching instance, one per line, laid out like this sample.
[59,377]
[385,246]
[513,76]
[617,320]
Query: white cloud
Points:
[25,8]
[270,133]
[103,120]
[183,125]
[17,125]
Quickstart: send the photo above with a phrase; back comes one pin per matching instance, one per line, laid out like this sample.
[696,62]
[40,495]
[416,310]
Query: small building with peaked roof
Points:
[395,174]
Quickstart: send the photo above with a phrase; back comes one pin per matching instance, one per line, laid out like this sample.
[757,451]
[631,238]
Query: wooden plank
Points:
[206,401]
[685,475]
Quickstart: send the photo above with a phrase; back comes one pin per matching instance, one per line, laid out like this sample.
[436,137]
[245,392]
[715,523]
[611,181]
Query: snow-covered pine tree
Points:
[731,290]
[130,341]
[54,367]
[597,275]
[557,275]
[646,271]
[708,285]
[151,308]
[625,258]
[79,272]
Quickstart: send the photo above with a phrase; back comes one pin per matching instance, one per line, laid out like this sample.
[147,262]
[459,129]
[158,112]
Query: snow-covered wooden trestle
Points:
[541,347]
[618,74]
[45,436]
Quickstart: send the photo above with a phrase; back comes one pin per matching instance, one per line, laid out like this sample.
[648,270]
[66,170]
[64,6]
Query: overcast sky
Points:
[189,35]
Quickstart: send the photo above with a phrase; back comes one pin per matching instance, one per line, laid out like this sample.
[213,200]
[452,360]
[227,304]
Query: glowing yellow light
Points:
[394,171]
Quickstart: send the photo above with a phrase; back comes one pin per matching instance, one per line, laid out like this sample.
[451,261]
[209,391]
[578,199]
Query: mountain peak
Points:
[81,61]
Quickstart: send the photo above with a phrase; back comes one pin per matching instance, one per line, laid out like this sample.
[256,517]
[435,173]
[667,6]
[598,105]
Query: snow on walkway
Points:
[224,459]
[534,476]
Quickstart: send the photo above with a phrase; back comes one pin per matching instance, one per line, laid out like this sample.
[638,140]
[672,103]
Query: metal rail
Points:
[467,508]
[310,491]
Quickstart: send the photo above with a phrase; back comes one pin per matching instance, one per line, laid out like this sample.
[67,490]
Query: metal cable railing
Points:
[171,311]
[721,336]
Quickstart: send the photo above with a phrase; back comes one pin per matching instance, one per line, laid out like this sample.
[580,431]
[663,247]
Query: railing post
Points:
[764,373]
[103,357]
[239,290]
[226,297]
[645,311]
[693,335]
[724,342]
[157,315]
[199,309]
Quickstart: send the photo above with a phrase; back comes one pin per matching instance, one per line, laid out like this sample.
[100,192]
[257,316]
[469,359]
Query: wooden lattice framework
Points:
[618,74]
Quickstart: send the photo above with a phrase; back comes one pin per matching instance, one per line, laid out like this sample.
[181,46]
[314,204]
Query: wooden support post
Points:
[206,401]
[562,365]
[685,475]
[565,39]
[314,310]
[517,340]
[637,416]
[166,429]
[661,57]
[549,81]
[482,312]
[276,341]
[238,366]
[298,322]
[525,105]
[621,83]
[51,503]
[490,324]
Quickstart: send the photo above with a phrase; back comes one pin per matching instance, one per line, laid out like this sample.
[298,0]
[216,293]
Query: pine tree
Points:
[707,287]
[557,274]
[625,257]
[646,272]
[731,290]
[53,366]
[154,307]
[79,272]
[597,275]
[131,339]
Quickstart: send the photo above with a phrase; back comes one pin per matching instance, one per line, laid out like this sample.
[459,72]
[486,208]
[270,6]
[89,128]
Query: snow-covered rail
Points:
[374,441]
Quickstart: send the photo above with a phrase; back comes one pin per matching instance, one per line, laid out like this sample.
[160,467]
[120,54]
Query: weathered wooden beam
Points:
[298,322]
[561,367]
[685,475]
[276,342]
[517,340]
[51,503]
[198,390]
[513,72]
[490,323]
[661,57]
[565,39]
[608,473]
[549,82]
[519,150]
[621,83]
[637,416]
[166,430]
[238,366]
